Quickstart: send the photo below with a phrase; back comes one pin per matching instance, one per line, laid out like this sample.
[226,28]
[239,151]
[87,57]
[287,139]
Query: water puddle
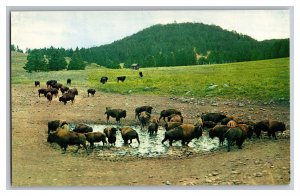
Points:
[151,146]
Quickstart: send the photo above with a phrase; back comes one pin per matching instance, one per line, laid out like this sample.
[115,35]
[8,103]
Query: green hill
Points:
[184,44]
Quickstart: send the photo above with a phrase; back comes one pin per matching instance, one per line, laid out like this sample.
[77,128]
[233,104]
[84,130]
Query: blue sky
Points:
[69,29]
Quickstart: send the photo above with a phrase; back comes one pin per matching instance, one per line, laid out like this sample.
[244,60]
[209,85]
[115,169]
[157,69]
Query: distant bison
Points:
[42,91]
[49,96]
[168,112]
[138,110]
[110,133]
[215,117]
[73,91]
[51,83]
[64,89]
[91,91]
[103,79]
[54,124]
[93,137]
[153,128]
[128,134]
[270,126]
[37,83]
[69,81]
[82,128]
[67,97]
[235,134]
[141,74]
[121,78]
[184,132]
[63,137]
[115,113]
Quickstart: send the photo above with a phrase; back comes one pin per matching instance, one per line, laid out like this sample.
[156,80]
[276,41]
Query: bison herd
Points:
[215,124]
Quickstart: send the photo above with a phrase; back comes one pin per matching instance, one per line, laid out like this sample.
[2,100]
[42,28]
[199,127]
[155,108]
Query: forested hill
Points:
[184,44]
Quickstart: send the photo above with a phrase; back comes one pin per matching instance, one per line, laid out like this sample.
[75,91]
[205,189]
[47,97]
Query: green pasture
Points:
[254,80]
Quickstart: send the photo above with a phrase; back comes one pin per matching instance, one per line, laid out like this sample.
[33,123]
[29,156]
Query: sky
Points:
[69,29]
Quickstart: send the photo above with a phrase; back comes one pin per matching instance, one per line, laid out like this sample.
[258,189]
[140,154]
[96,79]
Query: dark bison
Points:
[103,79]
[215,117]
[67,97]
[63,137]
[110,133]
[64,89]
[73,91]
[128,134]
[91,91]
[42,91]
[51,83]
[54,124]
[209,124]
[138,110]
[184,132]
[141,74]
[218,131]
[270,126]
[49,96]
[225,120]
[53,91]
[115,113]
[93,137]
[121,78]
[168,112]
[153,128]
[69,81]
[82,128]
[144,118]
[37,83]
[235,134]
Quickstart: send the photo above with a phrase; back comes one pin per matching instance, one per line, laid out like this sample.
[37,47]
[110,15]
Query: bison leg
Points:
[138,140]
[170,142]
[165,139]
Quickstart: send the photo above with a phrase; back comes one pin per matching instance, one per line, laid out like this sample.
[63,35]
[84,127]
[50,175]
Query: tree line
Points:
[164,45]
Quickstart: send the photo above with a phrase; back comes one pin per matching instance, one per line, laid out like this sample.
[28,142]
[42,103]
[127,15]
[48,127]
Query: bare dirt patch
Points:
[36,163]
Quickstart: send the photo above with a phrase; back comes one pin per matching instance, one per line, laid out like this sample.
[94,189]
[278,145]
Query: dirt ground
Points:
[36,163]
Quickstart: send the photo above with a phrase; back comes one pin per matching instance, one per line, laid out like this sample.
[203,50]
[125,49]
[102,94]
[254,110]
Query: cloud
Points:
[69,29]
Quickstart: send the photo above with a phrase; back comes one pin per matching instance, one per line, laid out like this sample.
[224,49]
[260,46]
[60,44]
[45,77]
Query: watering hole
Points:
[150,146]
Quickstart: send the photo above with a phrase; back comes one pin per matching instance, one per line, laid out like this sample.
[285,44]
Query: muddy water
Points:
[151,146]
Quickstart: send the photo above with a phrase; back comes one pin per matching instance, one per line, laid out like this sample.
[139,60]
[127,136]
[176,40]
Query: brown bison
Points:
[270,126]
[165,113]
[138,110]
[184,132]
[49,96]
[153,128]
[67,97]
[63,137]
[110,133]
[82,128]
[175,118]
[144,118]
[93,137]
[128,134]
[115,113]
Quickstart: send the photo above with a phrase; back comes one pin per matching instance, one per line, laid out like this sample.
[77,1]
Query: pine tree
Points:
[57,60]
[36,62]
[76,63]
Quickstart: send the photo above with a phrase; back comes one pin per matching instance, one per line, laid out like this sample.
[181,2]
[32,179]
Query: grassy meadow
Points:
[254,80]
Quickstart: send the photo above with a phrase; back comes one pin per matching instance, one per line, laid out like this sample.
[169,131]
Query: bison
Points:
[93,137]
[67,97]
[235,134]
[168,112]
[184,132]
[270,126]
[209,124]
[110,133]
[232,124]
[49,96]
[218,131]
[54,124]
[37,83]
[82,128]
[69,81]
[115,113]
[144,118]
[128,134]
[138,110]
[171,125]
[73,91]
[153,128]
[141,74]
[248,129]
[63,137]
[215,117]
[91,91]
[64,89]
[121,78]
[42,91]
[103,79]
[175,118]
[51,83]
